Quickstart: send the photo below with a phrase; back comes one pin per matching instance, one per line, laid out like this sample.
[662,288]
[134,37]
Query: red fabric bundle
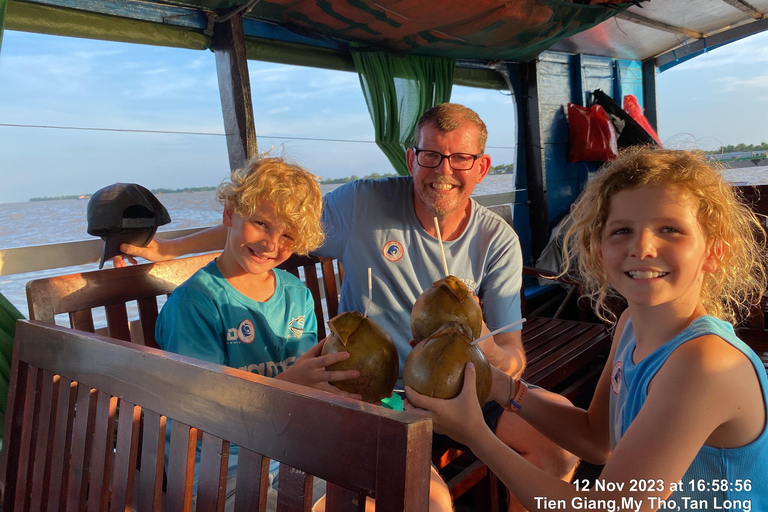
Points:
[592,136]
[636,111]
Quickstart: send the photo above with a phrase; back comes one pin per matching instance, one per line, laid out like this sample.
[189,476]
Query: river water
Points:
[47,222]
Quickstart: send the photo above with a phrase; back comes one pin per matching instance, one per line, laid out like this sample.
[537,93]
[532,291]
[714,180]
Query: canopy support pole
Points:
[235,88]
[649,93]
[535,172]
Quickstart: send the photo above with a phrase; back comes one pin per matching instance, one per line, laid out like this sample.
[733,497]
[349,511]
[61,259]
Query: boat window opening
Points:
[81,114]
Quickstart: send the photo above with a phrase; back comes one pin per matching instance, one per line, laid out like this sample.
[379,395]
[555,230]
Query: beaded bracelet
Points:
[516,401]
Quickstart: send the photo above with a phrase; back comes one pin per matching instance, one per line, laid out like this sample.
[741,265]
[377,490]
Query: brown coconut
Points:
[371,351]
[435,366]
[447,300]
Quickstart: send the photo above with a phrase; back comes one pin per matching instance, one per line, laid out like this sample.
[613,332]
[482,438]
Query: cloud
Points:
[744,85]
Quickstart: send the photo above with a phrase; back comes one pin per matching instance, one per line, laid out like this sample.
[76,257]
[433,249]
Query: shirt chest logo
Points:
[296,326]
[393,250]
[245,331]
[616,377]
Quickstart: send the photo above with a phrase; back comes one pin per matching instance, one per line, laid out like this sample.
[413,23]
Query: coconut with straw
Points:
[446,321]
[371,351]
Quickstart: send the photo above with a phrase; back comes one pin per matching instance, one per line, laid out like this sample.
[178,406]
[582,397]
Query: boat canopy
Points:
[321,32]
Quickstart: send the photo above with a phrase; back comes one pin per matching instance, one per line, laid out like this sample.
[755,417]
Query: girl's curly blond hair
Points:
[731,226]
[292,190]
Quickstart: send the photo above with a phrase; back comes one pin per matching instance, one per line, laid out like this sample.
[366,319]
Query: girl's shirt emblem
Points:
[616,377]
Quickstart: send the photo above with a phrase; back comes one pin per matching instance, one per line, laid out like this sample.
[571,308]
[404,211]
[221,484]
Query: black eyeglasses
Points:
[457,161]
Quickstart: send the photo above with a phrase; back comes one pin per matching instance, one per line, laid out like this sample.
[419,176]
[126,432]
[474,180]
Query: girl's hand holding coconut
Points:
[310,370]
[460,418]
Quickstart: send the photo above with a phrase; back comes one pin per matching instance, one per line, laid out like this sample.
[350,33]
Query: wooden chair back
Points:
[72,435]
[79,294]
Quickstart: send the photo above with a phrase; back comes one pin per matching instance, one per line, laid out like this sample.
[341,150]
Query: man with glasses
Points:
[388,225]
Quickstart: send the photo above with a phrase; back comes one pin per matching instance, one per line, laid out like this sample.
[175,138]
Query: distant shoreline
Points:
[497,169]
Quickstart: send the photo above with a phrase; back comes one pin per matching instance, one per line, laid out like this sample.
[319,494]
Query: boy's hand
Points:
[156,250]
[309,370]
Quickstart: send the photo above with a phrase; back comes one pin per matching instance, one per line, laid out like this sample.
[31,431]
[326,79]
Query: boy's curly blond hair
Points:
[733,229]
[292,190]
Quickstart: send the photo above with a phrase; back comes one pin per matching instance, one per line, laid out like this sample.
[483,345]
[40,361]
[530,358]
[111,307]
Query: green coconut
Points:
[447,300]
[435,366]
[371,351]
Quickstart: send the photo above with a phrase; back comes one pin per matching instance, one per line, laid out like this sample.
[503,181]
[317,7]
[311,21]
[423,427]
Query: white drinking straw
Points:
[442,251]
[497,331]
[370,293]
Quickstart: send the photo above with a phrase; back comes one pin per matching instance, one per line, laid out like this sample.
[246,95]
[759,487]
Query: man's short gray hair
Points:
[450,116]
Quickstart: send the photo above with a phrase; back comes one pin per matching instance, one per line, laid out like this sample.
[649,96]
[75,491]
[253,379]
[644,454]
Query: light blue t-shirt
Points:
[373,223]
[732,466]
[207,318]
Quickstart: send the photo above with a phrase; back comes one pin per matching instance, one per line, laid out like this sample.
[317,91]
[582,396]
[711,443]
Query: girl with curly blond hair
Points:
[678,417]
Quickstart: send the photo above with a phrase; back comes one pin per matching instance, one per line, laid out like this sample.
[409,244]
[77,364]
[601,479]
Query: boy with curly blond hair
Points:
[241,311]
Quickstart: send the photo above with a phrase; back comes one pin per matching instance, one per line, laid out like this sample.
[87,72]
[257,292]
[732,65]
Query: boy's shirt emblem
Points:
[296,326]
[246,332]
[393,250]
[616,377]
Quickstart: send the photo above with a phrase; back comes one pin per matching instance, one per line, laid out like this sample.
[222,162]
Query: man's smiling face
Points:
[442,191]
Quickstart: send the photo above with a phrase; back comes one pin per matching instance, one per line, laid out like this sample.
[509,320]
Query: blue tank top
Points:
[729,478]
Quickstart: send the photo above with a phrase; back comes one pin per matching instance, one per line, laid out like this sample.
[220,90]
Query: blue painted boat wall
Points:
[562,79]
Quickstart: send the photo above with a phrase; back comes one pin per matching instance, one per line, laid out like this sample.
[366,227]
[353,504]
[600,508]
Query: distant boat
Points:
[83,196]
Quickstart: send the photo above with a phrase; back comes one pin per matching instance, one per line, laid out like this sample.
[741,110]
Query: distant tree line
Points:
[496,169]
[739,148]
[502,169]
[56,198]
[154,191]
[177,190]
[374,176]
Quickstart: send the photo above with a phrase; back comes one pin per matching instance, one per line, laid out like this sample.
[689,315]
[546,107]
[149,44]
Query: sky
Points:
[716,99]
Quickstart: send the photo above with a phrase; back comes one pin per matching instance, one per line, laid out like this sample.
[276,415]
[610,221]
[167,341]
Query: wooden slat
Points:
[102,455]
[13,428]
[82,319]
[557,366]
[340,499]
[41,475]
[152,457]
[467,478]
[129,418]
[212,482]
[117,321]
[62,442]
[329,281]
[79,469]
[26,447]
[310,273]
[148,315]
[252,481]
[294,490]
[181,467]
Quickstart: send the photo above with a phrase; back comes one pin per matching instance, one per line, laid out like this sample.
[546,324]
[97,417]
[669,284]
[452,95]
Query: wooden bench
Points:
[79,294]
[557,350]
[67,446]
